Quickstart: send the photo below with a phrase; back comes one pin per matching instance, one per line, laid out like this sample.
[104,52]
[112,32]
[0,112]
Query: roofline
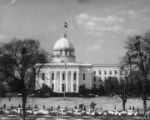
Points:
[55,49]
[79,64]
[106,65]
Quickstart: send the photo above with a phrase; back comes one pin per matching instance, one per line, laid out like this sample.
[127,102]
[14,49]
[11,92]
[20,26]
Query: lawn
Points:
[107,103]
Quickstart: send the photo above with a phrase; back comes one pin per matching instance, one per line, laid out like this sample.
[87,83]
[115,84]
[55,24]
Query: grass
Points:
[107,103]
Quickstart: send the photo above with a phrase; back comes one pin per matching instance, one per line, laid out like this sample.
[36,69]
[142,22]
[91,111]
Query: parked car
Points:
[99,112]
[147,114]
[4,111]
[62,112]
[122,113]
[88,112]
[77,112]
[40,112]
[91,95]
[105,112]
[130,112]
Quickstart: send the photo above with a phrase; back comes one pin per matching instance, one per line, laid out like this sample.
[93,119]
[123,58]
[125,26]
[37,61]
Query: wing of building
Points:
[64,74]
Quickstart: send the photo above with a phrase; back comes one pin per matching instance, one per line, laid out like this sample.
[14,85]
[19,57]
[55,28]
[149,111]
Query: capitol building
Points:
[64,74]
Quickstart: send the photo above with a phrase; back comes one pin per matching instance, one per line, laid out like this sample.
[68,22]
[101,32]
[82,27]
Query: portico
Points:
[65,81]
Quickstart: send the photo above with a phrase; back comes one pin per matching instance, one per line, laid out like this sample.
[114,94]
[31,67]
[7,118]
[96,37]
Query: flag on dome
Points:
[66,25]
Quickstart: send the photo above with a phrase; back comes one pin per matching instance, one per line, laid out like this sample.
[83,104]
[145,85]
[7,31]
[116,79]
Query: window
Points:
[52,76]
[110,72]
[83,76]
[94,78]
[75,76]
[61,52]
[115,72]
[94,72]
[105,72]
[94,85]
[65,52]
[83,85]
[126,72]
[63,87]
[74,87]
[101,86]
[43,76]
[100,79]
[100,72]
[63,76]
[52,86]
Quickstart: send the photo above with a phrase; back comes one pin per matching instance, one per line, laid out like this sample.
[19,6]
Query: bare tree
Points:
[18,61]
[139,48]
[123,86]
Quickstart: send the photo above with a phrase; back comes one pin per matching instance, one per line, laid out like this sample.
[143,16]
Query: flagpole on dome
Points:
[65,28]
[65,35]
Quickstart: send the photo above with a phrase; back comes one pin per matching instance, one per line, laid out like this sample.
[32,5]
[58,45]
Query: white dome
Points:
[62,44]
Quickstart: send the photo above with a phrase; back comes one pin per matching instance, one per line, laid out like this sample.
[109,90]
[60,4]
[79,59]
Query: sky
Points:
[98,29]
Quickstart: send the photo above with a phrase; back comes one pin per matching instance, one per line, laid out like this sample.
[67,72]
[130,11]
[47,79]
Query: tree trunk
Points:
[145,94]
[24,99]
[144,105]
[124,104]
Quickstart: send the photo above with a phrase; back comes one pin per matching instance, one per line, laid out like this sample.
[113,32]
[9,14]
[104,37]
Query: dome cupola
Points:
[63,50]
[63,44]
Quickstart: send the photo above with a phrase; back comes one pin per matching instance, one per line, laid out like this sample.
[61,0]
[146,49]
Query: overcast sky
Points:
[98,29]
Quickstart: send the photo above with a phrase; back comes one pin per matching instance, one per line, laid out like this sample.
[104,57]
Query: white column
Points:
[55,76]
[50,80]
[77,82]
[91,78]
[66,81]
[60,82]
[71,81]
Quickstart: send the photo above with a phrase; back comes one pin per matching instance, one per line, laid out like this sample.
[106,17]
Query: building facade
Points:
[64,74]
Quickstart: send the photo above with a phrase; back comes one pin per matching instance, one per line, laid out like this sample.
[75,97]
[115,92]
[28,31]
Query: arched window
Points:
[110,72]
[84,76]
[75,76]
[105,72]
